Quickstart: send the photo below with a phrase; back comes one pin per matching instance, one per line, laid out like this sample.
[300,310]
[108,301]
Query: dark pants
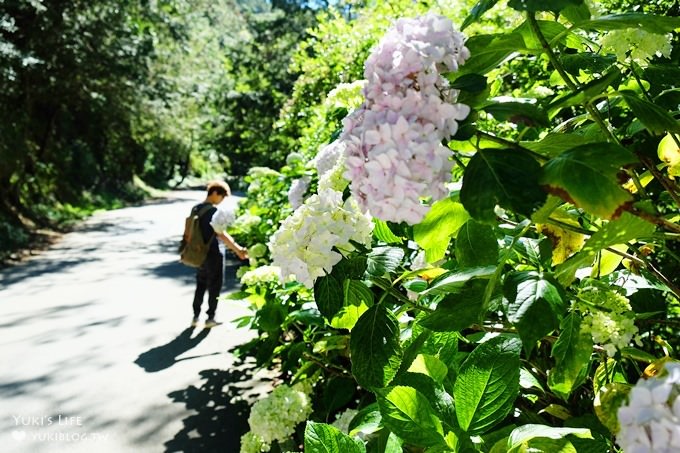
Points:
[209,276]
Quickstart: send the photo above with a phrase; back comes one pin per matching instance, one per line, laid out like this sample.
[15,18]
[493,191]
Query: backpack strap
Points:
[201,212]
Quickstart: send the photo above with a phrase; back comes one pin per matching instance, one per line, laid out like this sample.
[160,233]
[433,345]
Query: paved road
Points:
[95,349]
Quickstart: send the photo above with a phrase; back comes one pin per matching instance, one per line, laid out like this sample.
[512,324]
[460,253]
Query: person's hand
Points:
[242,253]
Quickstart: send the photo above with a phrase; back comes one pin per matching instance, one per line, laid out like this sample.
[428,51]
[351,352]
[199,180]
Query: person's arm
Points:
[229,241]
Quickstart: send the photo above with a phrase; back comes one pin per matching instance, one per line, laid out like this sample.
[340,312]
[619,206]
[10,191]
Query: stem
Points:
[665,182]
[326,366]
[389,289]
[594,113]
[653,219]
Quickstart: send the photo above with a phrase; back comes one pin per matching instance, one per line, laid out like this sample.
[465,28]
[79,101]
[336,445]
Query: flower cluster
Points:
[274,418]
[297,191]
[257,174]
[222,219]
[394,147]
[346,95]
[330,166]
[261,276]
[310,241]
[609,318]
[637,44]
[650,422]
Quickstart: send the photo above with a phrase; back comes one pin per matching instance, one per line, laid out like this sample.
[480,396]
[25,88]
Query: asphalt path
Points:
[96,352]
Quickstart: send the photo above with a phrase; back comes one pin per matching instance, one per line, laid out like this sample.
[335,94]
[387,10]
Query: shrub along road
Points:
[96,349]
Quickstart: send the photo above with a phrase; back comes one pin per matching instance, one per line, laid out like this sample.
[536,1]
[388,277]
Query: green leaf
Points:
[434,232]
[523,435]
[323,438]
[576,13]
[367,421]
[270,316]
[353,267]
[571,352]
[542,5]
[454,282]
[487,384]
[385,442]
[489,51]
[458,311]
[476,245]
[357,299]
[409,415]
[586,61]
[555,144]
[607,401]
[375,349]
[587,177]
[586,92]
[382,232]
[535,306]
[469,82]
[328,296]
[524,113]
[656,119]
[550,30]
[647,22]
[477,12]
[508,178]
[430,366]
[620,231]
[382,260]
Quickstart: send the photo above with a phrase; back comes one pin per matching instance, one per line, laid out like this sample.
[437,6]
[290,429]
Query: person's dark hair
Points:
[219,187]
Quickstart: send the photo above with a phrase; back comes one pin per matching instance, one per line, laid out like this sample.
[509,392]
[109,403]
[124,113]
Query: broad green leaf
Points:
[576,13]
[454,282]
[571,352]
[353,267]
[331,343]
[328,296]
[489,51]
[458,311]
[586,61]
[382,260]
[524,113]
[669,153]
[535,305]
[441,223]
[661,74]
[443,345]
[550,30]
[409,415]
[440,401]
[620,231]
[586,92]
[508,178]
[384,442]
[542,5]
[607,262]
[323,438]
[271,316]
[357,299]
[607,401]
[657,120]
[338,393]
[430,366]
[367,421]
[382,232]
[555,144]
[374,347]
[477,12]
[647,22]
[487,384]
[476,245]
[587,177]
[469,82]
[522,435]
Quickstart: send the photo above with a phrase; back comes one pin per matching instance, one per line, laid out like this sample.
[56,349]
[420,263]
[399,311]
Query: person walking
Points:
[210,275]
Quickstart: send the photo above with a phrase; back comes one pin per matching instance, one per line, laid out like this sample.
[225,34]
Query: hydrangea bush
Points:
[486,256]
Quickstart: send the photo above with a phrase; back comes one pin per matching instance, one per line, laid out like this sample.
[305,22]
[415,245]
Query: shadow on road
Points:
[162,357]
[221,415]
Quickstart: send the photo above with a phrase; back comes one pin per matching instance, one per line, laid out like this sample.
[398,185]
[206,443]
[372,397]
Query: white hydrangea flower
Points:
[330,166]
[346,95]
[394,150]
[222,219]
[275,417]
[261,276]
[252,443]
[297,191]
[294,158]
[306,242]
[343,420]
[637,45]
[608,317]
[650,421]
[246,222]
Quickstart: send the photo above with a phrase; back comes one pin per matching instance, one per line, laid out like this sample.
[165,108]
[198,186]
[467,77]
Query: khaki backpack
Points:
[193,249]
